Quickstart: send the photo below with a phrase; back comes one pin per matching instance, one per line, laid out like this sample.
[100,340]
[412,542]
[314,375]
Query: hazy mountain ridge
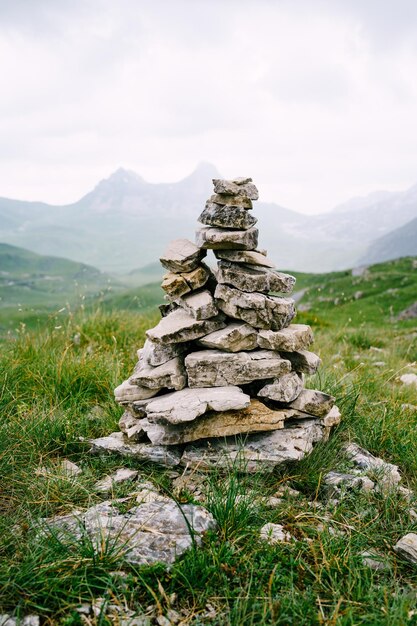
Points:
[125,222]
[400,242]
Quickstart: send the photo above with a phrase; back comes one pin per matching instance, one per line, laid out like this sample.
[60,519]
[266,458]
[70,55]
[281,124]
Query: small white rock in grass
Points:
[149,493]
[409,407]
[29,620]
[70,468]
[272,502]
[413,515]
[120,476]
[409,379]
[374,560]
[379,364]
[407,547]
[337,482]
[274,533]
[388,474]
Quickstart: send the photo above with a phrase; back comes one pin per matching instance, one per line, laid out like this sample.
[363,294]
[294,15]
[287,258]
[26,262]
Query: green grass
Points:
[55,391]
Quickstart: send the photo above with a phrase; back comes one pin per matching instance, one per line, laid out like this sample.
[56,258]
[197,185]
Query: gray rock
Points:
[182,255]
[253,278]
[286,388]
[330,420]
[157,353]
[69,468]
[274,533]
[186,405]
[250,257]
[217,239]
[180,326]
[177,285]
[121,475]
[313,402]
[233,188]
[128,392]
[130,426]
[294,337]
[235,337]
[303,361]
[257,309]
[388,473]
[374,560]
[409,379]
[117,444]
[337,482]
[215,368]
[256,452]
[226,199]
[200,304]
[227,217]
[406,547]
[28,620]
[169,375]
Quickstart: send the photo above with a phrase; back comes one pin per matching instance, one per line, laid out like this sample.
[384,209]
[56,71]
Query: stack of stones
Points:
[225,359]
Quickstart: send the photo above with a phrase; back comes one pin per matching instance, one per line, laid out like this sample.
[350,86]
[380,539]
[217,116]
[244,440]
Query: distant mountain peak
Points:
[204,171]
[122,175]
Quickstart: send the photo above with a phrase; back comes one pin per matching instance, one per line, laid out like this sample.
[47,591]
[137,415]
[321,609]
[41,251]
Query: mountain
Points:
[125,222]
[400,242]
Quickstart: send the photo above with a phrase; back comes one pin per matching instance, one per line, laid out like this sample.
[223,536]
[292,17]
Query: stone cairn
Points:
[220,379]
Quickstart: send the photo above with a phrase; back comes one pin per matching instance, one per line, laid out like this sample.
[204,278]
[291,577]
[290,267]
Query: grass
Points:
[56,390]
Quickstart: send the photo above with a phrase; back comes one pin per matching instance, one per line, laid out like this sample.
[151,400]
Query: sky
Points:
[315,99]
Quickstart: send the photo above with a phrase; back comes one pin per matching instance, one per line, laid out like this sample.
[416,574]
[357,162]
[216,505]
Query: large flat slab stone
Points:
[226,199]
[188,404]
[182,255]
[250,257]
[257,309]
[129,392]
[253,278]
[169,375]
[177,285]
[406,547]
[303,361]
[286,388]
[215,368]
[236,188]
[200,304]
[294,337]
[217,238]
[313,402]
[235,337]
[255,418]
[117,443]
[180,326]
[220,216]
[157,353]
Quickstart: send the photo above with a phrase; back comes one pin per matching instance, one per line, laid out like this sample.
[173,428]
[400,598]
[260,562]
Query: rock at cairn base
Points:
[221,331]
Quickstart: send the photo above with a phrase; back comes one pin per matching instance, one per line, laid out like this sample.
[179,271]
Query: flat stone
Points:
[180,326]
[157,353]
[257,309]
[406,547]
[313,402]
[286,388]
[117,444]
[256,417]
[182,255]
[176,285]
[409,379]
[257,452]
[128,392]
[250,257]
[235,337]
[215,368]
[186,405]
[232,188]
[130,426]
[226,199]
[69,468]
[303,361]
[364,460]
[291,339]
[337,482]
[200,304]
[253,278]
[217,239]
[224,216]
[274,533]
[121,475]
[169,375]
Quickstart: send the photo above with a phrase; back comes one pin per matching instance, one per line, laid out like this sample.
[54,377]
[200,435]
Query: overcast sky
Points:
[315,99]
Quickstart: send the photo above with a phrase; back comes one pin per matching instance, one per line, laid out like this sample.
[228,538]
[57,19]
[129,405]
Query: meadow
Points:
[58,371]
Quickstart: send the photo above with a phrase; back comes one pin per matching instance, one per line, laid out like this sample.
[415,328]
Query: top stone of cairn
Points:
[239,187]
[182,255]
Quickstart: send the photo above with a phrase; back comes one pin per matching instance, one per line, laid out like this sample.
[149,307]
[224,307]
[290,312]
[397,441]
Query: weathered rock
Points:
[256,452]
[170,375]
[337,482]
[409,379]
[156,354]
[255,418]
[225,199]
[217,238]
[363,459]
[227,217]
[182,255]
[331,420]
[177,285]
[274,533]
[128,392]
[313,402]
[69,468]
[250,257]
[117,444]
[186,405]
[406,547]
[130,426]
[303,361]
[214,368]
[253,278]
[28,620]
[236,188]
[235,337]
[166,308]
[200,304]
[121,475]
[180,326]
[374,560]
[257,309]
[291,339]
[286,388]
